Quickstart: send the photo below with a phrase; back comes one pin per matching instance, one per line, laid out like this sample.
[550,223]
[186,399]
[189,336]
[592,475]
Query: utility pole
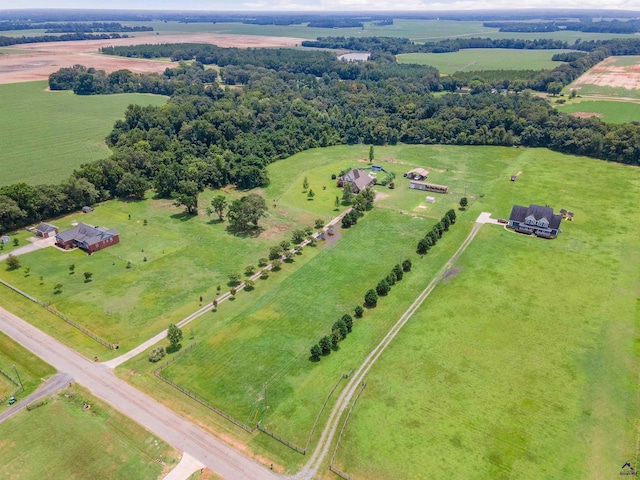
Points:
[19,379]
[264,390]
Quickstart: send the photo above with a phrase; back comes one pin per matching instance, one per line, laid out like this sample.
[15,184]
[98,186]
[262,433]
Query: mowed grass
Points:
[524,362]
[31,369]
[60,440]
[475,59]
[608,111]
[45,135]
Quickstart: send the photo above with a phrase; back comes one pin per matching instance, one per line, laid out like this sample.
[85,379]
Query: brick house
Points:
[87,238]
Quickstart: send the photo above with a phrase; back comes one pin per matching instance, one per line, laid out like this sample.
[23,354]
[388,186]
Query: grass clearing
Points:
[30,368]
[607,111]
[524,361]
[476,59]
[61,440]
[48,134]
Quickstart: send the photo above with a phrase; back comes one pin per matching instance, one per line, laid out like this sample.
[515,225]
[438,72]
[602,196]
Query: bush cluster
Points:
[432,237]
[339,331]
[157,354]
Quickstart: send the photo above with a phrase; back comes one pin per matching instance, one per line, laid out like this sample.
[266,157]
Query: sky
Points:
[319,5]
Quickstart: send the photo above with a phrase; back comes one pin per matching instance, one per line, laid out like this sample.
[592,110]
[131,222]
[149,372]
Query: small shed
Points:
[377,168]
[5,239]
[46,230]
[514,178]
[431,199]
[87,209]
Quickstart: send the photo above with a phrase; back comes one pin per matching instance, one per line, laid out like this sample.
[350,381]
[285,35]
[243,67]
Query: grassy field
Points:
[30,368]
[61,440]
[484,59]
[604,92]
[524,362]
[48,134]
[608,111]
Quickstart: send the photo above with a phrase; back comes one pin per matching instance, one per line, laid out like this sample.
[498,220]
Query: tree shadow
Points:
[215,221]
[173,348]
[184,216]
[251,232]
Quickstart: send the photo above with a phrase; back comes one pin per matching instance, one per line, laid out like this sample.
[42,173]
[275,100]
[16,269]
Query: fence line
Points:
[282,440]
[89,333]
[342,377]
[192,395]
[344,425]
[10,378]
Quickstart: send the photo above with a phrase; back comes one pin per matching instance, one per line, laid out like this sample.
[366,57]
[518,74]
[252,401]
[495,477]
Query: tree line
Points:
[73,27]
[584,25]
[67,37]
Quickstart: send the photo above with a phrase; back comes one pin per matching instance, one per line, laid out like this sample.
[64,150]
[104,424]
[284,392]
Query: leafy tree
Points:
[276,265]
[341,326]
[445,223]
[298,236]
[371,298]
[174,334]
[452,216]
[350,219]
[245,211]
[554,88]
[463,203]
[348,321]
[249,285]
[347,194]
[87,277]
[285,245]
[358,311]
[187,195]
[360,203]
[305,184]
[371,154]
[337,202]
[311,194]
[72,269]
[325,345]
[432,237]
[397,271]
[275,252]
[406,265]
[336,338]
[319,223]
[219,204]
[438,228]
[423,246]
[132,186]
[13,262]
[16,242]
[250,270]
[57,288]
[383,287]
[316,351]
[288,256]
[262,262]
[391,279]
[234,278]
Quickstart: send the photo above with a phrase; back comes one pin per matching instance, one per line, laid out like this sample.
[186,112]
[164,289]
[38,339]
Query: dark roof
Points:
[359,178]
[86,234]
[86,209]
[519,214]
[45,227]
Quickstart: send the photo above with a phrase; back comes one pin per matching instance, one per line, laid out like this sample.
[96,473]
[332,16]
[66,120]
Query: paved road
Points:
[100,380]
[322,449]
[32,247]
[55,383]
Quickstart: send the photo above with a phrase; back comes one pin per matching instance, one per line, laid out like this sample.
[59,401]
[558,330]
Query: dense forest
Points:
[584,25]
[72,27]
[209,135]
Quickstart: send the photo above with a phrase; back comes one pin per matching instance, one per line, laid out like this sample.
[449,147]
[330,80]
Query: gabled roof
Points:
[45,227]
[359,178]
[519,214]
[84,233]
[420,171]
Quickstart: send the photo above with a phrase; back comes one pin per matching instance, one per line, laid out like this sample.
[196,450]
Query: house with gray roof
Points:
[46,230]
[536,220]
[87,238]
[358,179]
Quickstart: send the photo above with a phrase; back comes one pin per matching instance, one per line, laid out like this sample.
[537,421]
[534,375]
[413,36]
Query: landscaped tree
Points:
[187,195]
[337,202]
[360,203]
[445,223]
[347,194]
[276,265]
[285,245]
[383,287]
[305,184]
[423,246]
[438,228]
[248,210]
[234,278]
[348,321]
[275,252]
[406,265]
[432,237]
[391,279]
[311,194]
[397,271]
[371,298]
[369,196]
[341,326]
[174,334]
[452,216]
[250,270]
[219,204]
[325,345]
[298,236]
[13,262]
[358,311]
[288,256]
[371,154]
[316,351]
[319,223]
[87,277]
[463,203]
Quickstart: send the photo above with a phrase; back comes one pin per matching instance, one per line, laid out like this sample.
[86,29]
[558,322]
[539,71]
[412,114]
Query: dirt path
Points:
[160,420]
[55,383]
[322,449]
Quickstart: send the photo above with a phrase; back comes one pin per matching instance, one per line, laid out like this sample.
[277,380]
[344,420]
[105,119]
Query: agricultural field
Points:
[607,111]
[36,149]
[613,77]
[476,59]
[30,368]
[524,361]
[62,440]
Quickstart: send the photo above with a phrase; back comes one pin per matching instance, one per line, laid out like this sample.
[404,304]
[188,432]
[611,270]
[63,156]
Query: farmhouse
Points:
[417,174]
[430,187]
[87,238]
[358,179]
[46,230]
[537,220]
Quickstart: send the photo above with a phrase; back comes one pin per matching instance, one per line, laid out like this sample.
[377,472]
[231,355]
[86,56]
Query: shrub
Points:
[325,345]
[406,265]
[358,311]
[341,327]
[383,287]
[423,246]
[348,321]
[13,262]
[333,176]
[157,354]
[371,298]
[397,270]
[391,279]
[316,351]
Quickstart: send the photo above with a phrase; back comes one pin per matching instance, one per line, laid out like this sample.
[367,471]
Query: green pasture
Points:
[30,368]
[61,440]
[609,111]
[45,135]
[586,89]
[475,59]
[524,361]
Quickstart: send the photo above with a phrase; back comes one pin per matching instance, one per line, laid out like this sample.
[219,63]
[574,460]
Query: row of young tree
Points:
[436,232]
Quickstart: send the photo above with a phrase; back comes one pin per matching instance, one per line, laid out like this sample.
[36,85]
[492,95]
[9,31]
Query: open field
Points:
[614,77]
[475,59]
[61,440]
[30,368]
[524,362]
[607,111]
[48,134]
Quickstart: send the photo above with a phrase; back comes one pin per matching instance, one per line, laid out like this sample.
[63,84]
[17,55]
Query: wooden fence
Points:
[10,378]
[282,440]
[344,425]
[89,333]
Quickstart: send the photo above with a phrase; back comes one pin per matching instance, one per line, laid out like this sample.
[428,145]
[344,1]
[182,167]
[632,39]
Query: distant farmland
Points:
[476,59]
[45,135]
[607,111]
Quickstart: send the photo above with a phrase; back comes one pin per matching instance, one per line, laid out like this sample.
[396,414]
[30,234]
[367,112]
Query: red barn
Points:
[88,238]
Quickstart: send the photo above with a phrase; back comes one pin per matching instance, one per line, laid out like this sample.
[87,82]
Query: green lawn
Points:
[476,59]
[61,440]
[609,111]
[30,369]
[45,135]
[524,362]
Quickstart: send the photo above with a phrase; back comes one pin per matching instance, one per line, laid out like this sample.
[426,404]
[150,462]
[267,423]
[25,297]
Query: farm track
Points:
[326,439]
